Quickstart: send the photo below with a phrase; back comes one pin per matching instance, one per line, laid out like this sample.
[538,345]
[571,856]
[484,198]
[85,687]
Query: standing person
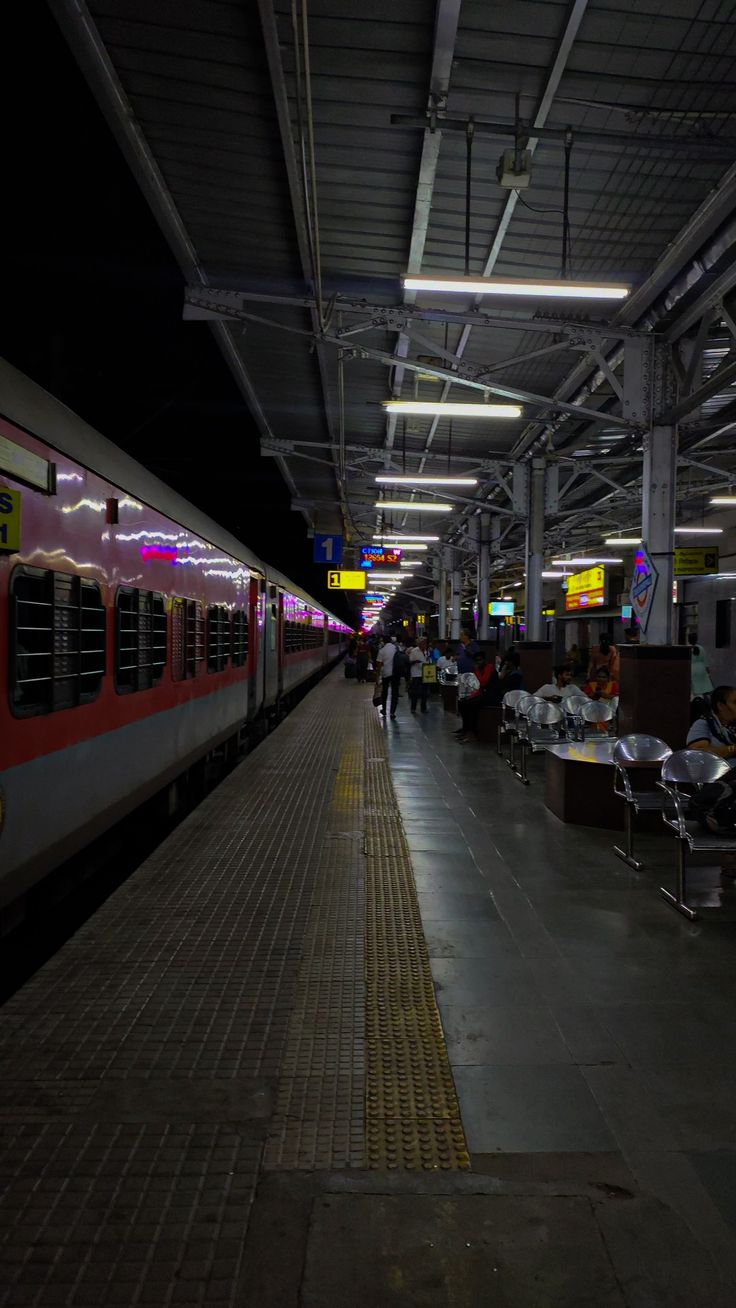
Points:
[418,689]
[389,681]
[362,659]
[466,653]
[605,656]
[574,658]
[700,679]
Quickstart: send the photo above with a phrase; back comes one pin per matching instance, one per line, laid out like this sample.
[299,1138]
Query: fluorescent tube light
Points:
[396,538]
[539,288]
[723,499]
[555,574]
[563,563]
[699,531]
[385,479]
[414,506]
[451,409]
[622,540]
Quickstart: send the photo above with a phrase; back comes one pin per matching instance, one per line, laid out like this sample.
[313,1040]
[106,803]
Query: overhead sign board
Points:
[586,590]
[9,519]
[17,461]
[346,580]
[643,586]
[501,608]
[696,562]
[374,597]
[327,549]
[372,556]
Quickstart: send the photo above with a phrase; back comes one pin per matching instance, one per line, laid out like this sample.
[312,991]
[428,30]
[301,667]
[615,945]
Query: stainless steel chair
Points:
[683,774]
[629,753]
[507,724]
[544,726]
[595,714]
[521,708]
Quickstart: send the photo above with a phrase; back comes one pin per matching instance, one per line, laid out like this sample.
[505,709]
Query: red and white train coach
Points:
[137,635]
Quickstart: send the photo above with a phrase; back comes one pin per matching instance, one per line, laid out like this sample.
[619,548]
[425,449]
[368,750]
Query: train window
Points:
[141,639]
[218,638]
[240,638]
[57,641]
[187,638]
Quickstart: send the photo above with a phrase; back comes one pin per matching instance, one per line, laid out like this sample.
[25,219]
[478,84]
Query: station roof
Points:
[301,157]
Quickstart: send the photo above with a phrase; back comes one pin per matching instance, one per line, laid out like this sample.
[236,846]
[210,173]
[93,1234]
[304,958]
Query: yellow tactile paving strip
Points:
[412,1116]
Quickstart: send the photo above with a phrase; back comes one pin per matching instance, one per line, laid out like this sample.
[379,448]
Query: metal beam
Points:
[298,201]
[88,48]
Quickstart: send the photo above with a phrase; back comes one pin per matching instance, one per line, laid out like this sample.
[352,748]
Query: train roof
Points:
[29,406]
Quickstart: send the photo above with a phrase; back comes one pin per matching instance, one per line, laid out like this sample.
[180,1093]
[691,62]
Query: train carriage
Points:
[137,636]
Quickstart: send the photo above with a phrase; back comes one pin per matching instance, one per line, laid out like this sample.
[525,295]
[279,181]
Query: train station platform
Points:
[374,1028]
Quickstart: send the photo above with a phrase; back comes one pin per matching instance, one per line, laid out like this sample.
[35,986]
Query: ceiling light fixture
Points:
[622,540]
[555,574]
[542,287]
[699,531]
[384,479]
[394,538]
[563,563]
[414,506]
[451,409]
[723,499]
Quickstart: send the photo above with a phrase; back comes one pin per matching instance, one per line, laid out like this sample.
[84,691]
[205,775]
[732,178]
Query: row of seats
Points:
[531,725]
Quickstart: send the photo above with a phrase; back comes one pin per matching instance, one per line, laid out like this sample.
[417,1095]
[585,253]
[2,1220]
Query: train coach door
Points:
[280,643]
[270,645]
[254,647]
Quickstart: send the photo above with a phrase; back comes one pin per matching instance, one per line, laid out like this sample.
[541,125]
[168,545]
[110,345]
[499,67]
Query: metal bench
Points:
[507,725]
[523,703]
[630,753]
[596,714]
[683,774]
[540,725]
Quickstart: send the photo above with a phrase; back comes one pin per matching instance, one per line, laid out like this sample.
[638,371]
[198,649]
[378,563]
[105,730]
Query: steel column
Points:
[456,583]
[657,524]
[442,606]
[535,551]
[484,574]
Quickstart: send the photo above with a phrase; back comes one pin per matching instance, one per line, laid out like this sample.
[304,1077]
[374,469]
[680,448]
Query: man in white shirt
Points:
[386,658]
[418,688]
[561,688]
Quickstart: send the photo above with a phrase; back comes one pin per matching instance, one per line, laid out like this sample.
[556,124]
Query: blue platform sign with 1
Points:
[327,549]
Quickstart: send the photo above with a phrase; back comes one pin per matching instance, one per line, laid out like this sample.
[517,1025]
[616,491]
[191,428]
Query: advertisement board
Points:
[586,590]
[501,608]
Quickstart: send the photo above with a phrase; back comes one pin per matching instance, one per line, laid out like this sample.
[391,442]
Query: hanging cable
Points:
[469,131]
[566,205]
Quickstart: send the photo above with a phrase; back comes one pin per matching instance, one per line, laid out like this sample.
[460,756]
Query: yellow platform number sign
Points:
[9,519]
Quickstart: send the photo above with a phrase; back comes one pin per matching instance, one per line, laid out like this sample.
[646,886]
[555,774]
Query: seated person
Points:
[601,687]
[447,662]
[509,674]
[561,688]
[715,731]
[470,707]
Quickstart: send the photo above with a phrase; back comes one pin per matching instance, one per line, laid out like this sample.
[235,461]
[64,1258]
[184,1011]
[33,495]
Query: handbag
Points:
[429,674]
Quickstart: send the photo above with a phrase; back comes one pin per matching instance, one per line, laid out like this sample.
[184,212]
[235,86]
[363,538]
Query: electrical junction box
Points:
[513,177]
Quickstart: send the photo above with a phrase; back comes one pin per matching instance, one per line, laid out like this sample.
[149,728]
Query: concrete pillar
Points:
[484,575]
[657,525]
[535,552]
[456,582]
[442,603]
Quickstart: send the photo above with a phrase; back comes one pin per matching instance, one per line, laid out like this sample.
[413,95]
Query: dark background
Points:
[92,308]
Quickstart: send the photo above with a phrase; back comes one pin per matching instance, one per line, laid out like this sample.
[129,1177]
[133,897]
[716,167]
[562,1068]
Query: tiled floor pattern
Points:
[207,1018]
[581,1013]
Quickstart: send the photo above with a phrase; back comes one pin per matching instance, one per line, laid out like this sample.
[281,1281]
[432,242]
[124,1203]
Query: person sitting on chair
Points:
[601,687]
[715,731]
[561,688]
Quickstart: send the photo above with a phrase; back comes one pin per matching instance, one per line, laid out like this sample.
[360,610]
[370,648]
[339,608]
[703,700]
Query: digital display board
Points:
[372,556]
[586,590]
[501,608]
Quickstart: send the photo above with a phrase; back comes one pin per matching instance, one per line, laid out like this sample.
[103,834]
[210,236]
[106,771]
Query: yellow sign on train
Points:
[346,580]
[9,519]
